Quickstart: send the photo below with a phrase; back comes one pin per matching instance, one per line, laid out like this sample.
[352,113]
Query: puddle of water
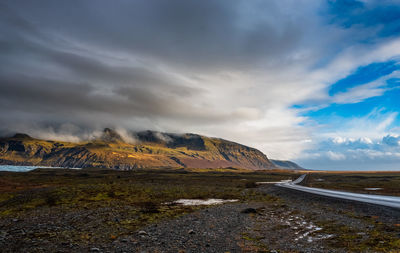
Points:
[277,182]
[198,202]
[373,189]
[20,168]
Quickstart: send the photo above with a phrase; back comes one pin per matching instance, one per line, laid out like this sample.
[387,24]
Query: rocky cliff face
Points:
[150,150]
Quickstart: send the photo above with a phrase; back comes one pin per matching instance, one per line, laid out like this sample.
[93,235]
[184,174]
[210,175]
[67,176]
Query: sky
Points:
[316,82]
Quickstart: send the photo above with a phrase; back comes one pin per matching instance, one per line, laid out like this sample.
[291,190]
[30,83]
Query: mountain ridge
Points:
[150,149]
[284,164]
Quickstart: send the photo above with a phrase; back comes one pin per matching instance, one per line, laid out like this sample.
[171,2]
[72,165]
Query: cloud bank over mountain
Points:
[283,76]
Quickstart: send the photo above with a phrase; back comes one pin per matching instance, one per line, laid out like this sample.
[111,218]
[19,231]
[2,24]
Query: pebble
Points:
[191,232]
[95,250]
[142,232]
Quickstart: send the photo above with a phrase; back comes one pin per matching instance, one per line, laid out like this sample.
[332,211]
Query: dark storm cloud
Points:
[40,95]
[202,33]
[86,62]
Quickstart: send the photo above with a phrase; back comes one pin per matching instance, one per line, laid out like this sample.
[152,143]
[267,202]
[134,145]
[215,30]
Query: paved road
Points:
[382,200]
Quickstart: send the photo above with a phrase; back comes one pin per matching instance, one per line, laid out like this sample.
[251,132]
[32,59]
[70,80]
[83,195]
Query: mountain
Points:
[287,165]
[147,149]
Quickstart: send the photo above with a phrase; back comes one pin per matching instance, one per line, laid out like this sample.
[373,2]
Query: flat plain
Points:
[370,182]
[93,210]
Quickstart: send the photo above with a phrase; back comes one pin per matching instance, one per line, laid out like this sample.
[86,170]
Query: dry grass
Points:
[357,181]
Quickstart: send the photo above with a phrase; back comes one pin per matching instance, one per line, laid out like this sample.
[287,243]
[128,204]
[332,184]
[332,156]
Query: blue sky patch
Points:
[348,13]
[389,100]
[364,74]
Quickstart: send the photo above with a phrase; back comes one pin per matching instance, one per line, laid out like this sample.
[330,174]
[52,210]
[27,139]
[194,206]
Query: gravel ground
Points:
[216,229]
[292,224]
[288,226]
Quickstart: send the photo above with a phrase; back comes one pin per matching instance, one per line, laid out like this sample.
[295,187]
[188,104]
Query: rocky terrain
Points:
[286,221]
[147,149]
[61,210]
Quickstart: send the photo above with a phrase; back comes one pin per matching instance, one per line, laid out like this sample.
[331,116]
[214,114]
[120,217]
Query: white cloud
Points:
[335,156]
[355,153]
[379,122]
[366,140]
[391,140]
[365,91]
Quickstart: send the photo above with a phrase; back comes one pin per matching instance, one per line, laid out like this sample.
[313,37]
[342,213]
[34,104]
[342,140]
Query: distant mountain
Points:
[287,165]
[147,149]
